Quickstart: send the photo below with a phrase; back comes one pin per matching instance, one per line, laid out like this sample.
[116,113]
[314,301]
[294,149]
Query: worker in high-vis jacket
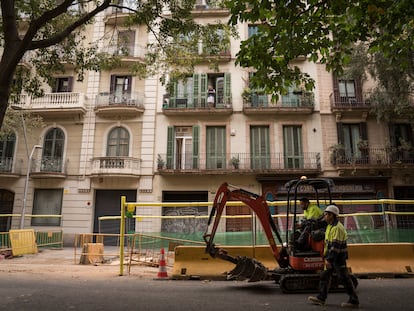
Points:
[310,211]
[336,254]
[312,221]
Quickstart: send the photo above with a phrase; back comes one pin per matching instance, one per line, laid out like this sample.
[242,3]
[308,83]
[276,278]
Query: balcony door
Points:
[216,147]
[63,85]
[118,143]
[183,147]
[350,134]
[7,144]
[53,149]
[259,147]
[120,89]
[293,150]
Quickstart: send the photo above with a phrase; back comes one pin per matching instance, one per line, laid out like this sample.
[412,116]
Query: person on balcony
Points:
[211,96]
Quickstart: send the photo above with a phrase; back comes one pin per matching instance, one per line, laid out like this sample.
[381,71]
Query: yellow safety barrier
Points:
[23,242]
[381,258]
[364,259]
[193,262]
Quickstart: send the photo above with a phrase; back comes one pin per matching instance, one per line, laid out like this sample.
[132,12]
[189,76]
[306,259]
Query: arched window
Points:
[7,144]
[118,143]
[53,148]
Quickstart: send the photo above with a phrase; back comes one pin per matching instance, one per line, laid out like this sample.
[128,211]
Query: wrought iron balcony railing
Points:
[372,157]
[125,99]
[241,161]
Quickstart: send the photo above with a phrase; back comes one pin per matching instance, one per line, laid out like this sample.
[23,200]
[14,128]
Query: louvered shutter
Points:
[170,147]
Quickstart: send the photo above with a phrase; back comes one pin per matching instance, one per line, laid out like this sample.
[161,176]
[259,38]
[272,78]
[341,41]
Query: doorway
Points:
[108,203]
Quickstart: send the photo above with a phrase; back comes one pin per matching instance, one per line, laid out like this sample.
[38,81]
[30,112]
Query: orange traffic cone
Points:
[162,272]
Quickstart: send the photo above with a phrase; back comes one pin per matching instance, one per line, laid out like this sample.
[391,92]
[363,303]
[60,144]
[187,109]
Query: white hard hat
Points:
[332,209]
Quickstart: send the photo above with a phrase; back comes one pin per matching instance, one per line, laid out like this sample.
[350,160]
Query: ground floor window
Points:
[47,202]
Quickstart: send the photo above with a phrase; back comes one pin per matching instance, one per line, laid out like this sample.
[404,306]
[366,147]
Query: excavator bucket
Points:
[248,268]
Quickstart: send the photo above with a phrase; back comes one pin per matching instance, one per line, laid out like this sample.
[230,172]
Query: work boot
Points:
[316,301]
[350,305]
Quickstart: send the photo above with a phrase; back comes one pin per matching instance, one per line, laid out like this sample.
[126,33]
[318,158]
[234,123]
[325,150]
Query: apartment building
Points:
[115,134]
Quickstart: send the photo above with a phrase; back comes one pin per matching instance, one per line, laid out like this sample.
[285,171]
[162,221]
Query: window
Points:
[53,148]
[252,30]
[292,98]
[258,99]
[192,91]
[347,92]
[118,143]
[126,5]
[126,42]
[63,84]
[215,147]
[260,147]
[183,147]
[349,136]
[47,202]
[215,42]
[402,142]
[7,144]
[120,89]
[292,143]
[401,134]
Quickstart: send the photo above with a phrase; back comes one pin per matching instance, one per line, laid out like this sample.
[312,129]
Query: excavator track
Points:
[299,283]
[305,283]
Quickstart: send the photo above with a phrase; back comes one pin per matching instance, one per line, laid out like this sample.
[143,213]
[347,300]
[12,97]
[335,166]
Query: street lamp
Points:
[26,184]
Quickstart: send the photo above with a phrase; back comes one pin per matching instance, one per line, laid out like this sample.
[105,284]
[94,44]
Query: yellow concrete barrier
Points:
[364,259]
[193,262]
[381,258]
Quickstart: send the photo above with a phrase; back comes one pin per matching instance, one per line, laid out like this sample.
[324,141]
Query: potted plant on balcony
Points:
[247,95]
[160,162]
[404,145]
[362,144]
[337,153]
[235,161]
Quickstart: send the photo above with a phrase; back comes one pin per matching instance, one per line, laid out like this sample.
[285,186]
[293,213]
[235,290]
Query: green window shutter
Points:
[216,147]
[189,91]
[260,147]
[227,89]
[292,142]
[203,90]
[173,96]
[170,147]
[196,146]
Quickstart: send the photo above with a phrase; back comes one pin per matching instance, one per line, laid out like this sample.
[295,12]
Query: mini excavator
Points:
[298,269]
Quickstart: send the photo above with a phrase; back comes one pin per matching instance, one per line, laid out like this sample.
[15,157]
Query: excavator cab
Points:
[310,257]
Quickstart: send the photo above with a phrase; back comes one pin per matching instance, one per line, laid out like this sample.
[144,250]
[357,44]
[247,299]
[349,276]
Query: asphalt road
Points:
[35,291]
[51,280]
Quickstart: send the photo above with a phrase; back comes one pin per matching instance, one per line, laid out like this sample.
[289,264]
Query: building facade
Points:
[115,134]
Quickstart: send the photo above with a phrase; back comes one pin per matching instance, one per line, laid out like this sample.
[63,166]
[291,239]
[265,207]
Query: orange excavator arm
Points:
[258,204]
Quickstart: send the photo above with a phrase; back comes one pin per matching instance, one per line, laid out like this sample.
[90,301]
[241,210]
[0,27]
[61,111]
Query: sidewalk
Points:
[61,262]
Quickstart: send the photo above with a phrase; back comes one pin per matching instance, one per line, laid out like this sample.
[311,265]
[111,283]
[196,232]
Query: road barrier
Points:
[365,260]
[43,239]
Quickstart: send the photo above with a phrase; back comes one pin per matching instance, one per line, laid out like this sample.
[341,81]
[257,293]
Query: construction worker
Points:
[313,216]
[336,254]
[311,211]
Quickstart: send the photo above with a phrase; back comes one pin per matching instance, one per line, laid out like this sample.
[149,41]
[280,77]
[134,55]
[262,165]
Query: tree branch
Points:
[47,16]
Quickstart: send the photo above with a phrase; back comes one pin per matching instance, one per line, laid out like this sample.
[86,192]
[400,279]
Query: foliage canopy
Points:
[326,31]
